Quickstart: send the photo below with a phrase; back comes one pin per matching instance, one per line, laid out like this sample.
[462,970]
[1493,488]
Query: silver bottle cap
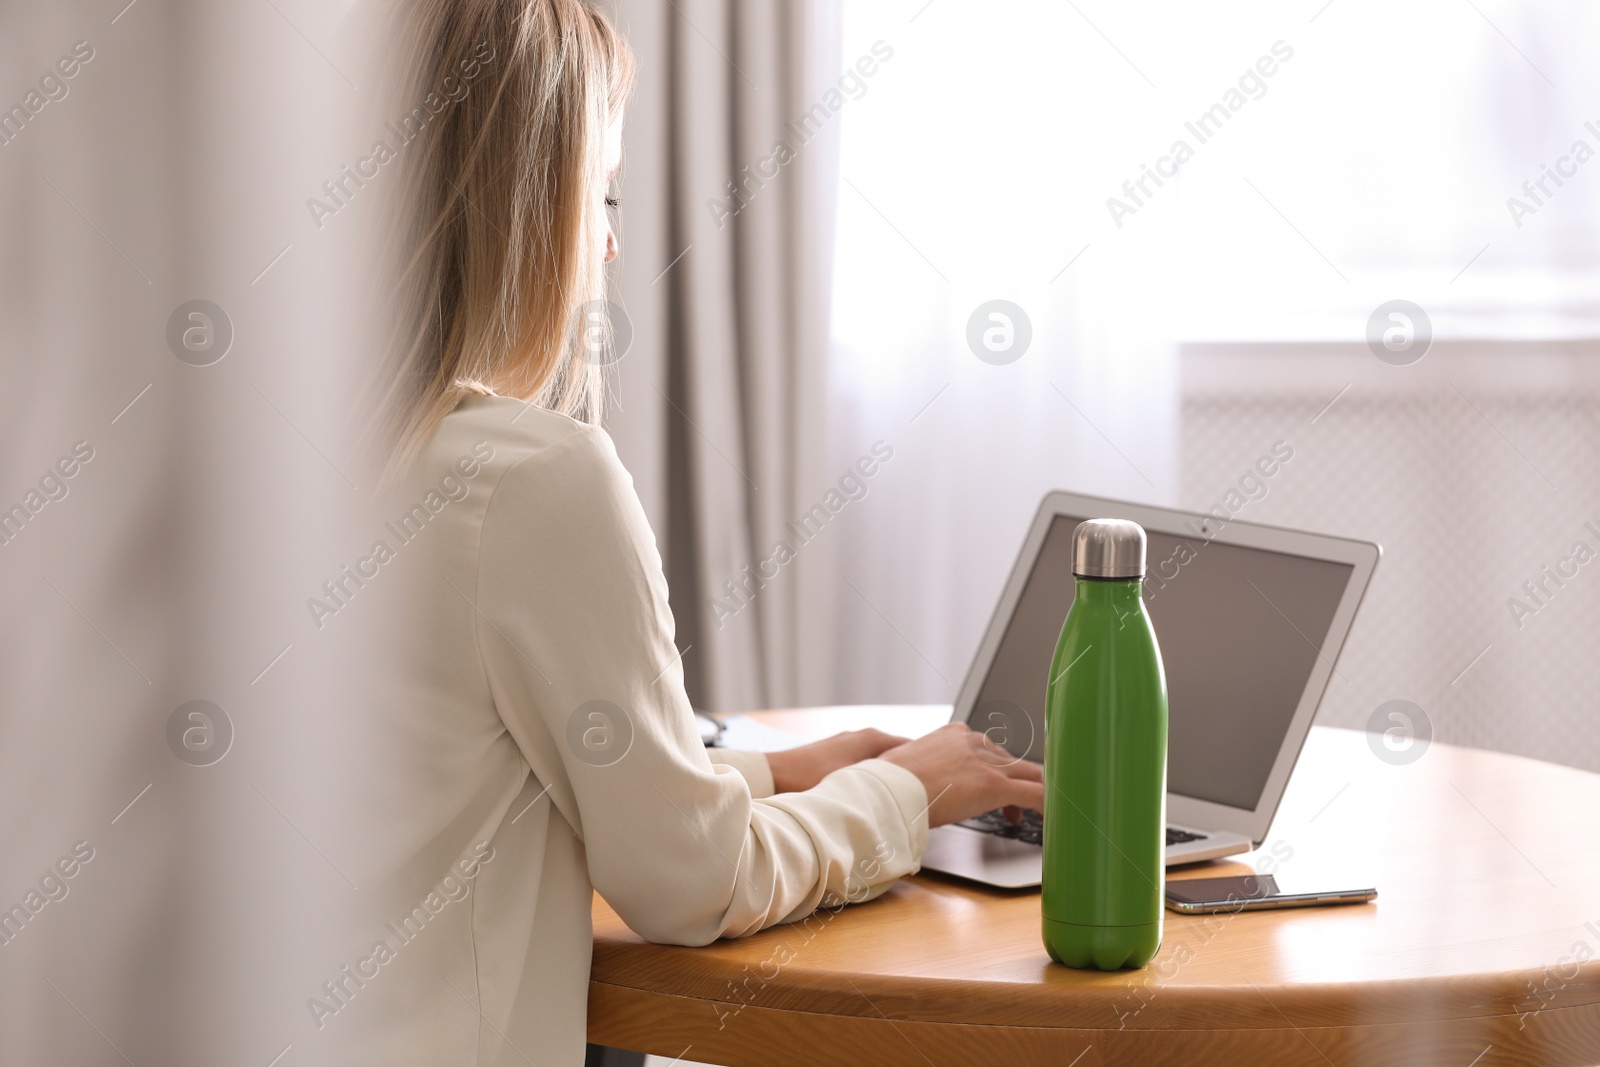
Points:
[1108,548]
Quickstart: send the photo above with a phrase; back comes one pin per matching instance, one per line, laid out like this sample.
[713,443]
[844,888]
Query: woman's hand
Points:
[797,769]
[965,774]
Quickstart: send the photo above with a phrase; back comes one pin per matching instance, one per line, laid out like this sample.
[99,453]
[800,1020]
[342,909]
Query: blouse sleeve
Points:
[753,766]
[576,639]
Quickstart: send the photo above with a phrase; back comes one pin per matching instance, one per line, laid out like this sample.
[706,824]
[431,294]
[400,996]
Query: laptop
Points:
[1250,620]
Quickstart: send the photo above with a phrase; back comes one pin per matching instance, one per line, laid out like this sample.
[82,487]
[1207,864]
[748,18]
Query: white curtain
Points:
[957,192]
[1353,168]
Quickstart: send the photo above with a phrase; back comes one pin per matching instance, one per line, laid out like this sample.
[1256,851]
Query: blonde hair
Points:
[496,234]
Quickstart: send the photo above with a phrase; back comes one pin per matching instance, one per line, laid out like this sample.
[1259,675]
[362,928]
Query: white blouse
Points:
[536,745]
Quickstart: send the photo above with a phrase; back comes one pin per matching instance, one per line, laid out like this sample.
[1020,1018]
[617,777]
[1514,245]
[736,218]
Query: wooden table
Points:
[1483,948]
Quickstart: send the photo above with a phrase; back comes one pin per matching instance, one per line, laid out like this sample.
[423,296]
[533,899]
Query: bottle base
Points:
[1103,948]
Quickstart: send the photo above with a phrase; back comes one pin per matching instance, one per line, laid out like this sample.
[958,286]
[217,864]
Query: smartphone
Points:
[1253,892]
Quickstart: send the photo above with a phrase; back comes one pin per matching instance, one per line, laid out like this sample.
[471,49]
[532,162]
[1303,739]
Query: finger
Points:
[1023,794]
[1025,770]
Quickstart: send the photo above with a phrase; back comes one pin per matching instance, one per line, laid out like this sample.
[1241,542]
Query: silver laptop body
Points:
[1250,620]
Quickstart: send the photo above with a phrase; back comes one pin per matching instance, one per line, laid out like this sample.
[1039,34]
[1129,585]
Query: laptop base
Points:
[1012,864]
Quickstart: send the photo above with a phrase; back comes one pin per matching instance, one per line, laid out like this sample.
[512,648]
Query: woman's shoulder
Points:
[515,430]
[520,469]
[554,453]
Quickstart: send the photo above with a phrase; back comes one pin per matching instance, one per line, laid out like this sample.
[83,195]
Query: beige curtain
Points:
[729,175]
[174,771]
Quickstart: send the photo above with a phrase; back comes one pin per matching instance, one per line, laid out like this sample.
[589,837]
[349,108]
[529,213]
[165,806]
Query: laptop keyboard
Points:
[1031,828]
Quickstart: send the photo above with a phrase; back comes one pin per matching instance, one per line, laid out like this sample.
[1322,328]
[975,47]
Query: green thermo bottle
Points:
[1105,763]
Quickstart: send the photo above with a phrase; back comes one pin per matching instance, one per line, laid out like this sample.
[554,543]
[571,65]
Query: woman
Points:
[538,743]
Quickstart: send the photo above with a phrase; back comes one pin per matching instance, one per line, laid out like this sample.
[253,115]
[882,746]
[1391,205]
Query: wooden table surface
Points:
[1483,948]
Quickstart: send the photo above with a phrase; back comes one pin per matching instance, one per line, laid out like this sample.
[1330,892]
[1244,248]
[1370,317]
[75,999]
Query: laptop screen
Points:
[1240,630]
